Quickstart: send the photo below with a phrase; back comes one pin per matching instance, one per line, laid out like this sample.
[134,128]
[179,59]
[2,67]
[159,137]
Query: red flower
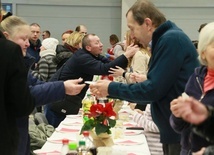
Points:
[99,115]
[108,110]
[102,109]
[95,110]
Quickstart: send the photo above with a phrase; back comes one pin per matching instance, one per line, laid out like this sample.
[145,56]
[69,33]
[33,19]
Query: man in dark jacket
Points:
[35,43]
[84,63]
[172,62]
[15,98]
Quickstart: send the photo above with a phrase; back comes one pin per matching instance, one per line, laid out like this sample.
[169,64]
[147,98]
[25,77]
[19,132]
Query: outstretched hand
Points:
[131,50]
[137,77]
[100,88]
[72,87]
[117,71]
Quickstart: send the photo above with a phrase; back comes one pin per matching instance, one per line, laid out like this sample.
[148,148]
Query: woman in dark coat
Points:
[15,98]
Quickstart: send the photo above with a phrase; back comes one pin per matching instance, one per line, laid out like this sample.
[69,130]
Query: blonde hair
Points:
[206,37]
[74,39]
[12,24]
[129,41]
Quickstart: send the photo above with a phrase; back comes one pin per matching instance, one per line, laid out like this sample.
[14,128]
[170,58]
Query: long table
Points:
[132,143]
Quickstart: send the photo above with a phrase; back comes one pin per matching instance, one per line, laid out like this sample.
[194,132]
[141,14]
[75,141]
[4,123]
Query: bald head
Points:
[81,29]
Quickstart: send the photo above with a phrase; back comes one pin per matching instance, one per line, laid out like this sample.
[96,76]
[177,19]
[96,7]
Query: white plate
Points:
[128,142]
[72,123]
[68,130]
[132,132]
[90,82]
[73,116]
[58,141]
[48,152]
[129,124]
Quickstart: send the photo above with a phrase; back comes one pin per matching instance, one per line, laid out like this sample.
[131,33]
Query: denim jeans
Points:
[53,118]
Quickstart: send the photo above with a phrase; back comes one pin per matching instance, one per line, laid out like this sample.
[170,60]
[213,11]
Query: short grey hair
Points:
[206,37]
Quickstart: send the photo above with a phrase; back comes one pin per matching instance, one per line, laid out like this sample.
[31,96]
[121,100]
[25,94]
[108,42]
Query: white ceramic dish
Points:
[132,132]
[44,152]
[67,130]
[128,142]
[58,141]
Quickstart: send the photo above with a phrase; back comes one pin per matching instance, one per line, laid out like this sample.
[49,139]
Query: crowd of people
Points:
[168,81]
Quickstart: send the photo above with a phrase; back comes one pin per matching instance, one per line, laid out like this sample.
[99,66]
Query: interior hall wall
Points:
[100,17]
[105,17]
[187,14]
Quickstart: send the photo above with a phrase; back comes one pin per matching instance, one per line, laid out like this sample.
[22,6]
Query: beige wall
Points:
[126,4]
[187,14]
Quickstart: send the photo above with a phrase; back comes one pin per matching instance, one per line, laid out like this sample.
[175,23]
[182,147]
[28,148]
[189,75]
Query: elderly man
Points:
[81,29]
[172,62]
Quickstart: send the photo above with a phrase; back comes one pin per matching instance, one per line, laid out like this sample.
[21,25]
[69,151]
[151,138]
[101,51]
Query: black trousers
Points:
[172,149]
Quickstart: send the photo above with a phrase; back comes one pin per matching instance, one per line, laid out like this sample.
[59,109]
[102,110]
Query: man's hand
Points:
[72,87]
[100,88]
[131,50]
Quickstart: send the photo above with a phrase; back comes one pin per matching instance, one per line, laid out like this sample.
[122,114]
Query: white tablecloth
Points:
[69,128]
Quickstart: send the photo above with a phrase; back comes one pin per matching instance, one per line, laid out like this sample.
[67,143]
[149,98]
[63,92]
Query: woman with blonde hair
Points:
[137,64]
[17,30]
[64,52]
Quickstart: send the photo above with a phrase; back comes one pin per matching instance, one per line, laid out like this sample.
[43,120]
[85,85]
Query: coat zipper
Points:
[203,94]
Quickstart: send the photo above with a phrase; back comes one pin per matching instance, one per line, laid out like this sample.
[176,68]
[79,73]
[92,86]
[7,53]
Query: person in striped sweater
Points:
[45,67]
[144,119]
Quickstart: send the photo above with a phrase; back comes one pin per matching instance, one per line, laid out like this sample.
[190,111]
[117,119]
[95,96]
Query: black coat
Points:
[85,65]
[15,98]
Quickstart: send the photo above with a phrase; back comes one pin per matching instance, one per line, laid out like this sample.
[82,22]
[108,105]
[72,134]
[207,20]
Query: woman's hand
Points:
[117,71]
[137,77]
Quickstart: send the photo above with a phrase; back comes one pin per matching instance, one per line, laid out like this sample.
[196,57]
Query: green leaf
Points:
[88,125]
[100,128]
[112,122]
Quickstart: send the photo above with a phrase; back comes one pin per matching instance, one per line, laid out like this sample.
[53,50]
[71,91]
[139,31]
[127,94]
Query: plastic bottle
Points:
[72,149]
[86,105]
[64,149]
[91,149]
[82,148]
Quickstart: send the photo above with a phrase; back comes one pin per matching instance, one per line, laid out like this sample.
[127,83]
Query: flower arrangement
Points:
[101,118]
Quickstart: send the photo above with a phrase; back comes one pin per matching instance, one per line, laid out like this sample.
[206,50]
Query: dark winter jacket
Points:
[173,60]
[43,93]
[194,88]
[63,53]
[85,65]
[34,50]
[15,98]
